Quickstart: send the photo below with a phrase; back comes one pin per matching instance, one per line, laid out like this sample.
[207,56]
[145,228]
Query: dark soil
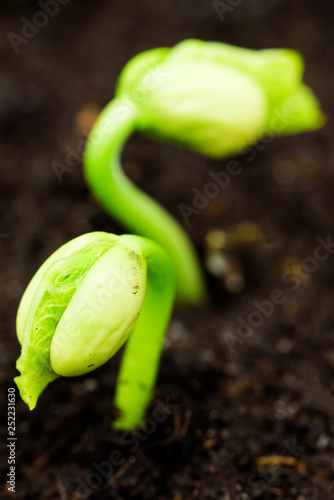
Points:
[246,415]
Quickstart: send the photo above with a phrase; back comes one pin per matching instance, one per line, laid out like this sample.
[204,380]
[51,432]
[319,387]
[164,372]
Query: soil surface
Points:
[239,412]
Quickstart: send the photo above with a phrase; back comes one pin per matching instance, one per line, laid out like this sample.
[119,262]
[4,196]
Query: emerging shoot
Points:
[211,98]
[83,304]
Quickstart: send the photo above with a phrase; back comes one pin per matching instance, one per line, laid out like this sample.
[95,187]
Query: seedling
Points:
[211,98]
[86,299]
[82,305]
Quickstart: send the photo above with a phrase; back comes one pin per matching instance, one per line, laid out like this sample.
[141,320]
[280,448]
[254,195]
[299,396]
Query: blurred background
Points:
[246,388]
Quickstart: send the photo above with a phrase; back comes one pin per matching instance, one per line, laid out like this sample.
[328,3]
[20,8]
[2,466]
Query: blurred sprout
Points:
[212,98]
[217,99]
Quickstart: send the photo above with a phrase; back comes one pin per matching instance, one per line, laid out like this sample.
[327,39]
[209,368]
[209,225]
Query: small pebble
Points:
[214,414]
[90,384]
[323,441]
[293,407]
[210,433]
[209,355]
[285,346]
[280,414]
[284,172]
[86,118]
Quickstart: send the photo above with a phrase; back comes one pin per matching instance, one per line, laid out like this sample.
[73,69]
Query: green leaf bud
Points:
[217,99]
[78,310]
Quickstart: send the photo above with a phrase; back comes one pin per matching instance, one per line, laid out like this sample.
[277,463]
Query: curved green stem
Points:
[140,360]
[129,205]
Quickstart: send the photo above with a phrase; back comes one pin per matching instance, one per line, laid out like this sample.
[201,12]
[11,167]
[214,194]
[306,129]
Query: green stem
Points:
[140,360]
[129,205]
